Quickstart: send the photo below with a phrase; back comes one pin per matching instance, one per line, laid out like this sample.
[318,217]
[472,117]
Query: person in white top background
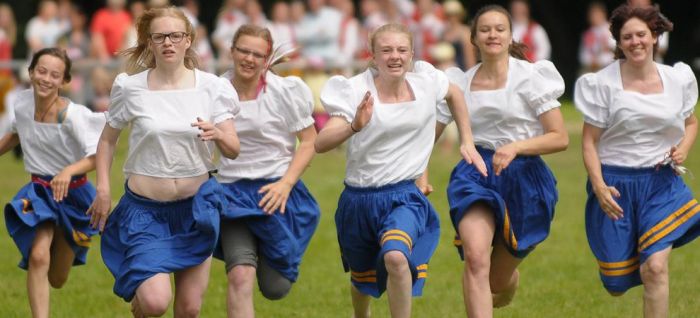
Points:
[639,127]
[167,221]
[529,32]
[271,216]
[47,217]
[515,118]
[387,229]
[597,46]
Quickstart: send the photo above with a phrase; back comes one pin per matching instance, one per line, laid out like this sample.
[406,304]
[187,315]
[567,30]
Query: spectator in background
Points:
[191,10]
[662,40]
[109,28]
[158,3]
[529,32]
[297,11]
[136,9]
[371,12]
[255,14]
[315,76]
[349,39]
[207,60]
[319,31]
[8,37]
[597,44]
[101,81]
[78,47]
[458,34]
[44,29]
[428,28]
[281,27]
[230,18]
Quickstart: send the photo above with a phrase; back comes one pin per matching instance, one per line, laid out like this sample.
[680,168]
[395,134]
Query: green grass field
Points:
[559,279]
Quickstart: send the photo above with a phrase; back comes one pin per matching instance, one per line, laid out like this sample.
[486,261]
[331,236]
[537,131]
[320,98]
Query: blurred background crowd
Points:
[331,35]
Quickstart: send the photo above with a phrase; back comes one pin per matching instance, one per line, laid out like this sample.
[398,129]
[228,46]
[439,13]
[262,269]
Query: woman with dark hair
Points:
[167,221]
[515,118]
[387,228]
[638,129]
[271,215]
[47,217]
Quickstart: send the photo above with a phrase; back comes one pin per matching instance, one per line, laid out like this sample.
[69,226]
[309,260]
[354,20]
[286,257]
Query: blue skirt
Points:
[34,204]
[523,198]
[375,220]
[659,211]
[144,237]
[283,238]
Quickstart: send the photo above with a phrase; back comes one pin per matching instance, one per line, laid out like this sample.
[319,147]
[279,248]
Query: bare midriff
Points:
[166,189]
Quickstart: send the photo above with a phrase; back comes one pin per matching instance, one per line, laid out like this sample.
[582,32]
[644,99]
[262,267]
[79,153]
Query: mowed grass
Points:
[559,279]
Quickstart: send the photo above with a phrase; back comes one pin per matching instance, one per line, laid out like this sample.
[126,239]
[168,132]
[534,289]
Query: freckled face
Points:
[392,53]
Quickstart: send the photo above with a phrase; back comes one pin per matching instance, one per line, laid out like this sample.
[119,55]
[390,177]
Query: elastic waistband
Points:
[254,182]
[139,199]
[45,181]
[490,152]
[398,186]
[634,171]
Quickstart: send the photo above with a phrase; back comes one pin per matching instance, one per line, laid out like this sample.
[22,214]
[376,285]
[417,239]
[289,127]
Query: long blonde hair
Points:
[140,57]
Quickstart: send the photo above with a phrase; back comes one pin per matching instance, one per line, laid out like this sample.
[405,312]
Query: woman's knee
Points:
[241,277]
[40,258]
[654,271]
[58,279]
[477,261]
[395,262]
[154,302]
[275,290]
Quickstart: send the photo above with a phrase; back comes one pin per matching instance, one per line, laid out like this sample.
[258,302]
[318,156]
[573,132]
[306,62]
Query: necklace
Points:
[41,118]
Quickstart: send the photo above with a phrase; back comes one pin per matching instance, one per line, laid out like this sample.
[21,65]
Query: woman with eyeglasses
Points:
[167,221]
[639,127]
[46,218]
[271,215]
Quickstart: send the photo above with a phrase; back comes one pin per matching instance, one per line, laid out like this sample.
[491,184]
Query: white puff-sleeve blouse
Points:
[267,128]
[502,116]
[50,147]
[162,142]
[397,142]
[638,129]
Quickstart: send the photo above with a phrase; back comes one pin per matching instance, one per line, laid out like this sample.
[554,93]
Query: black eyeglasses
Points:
[175,37]
[246,52]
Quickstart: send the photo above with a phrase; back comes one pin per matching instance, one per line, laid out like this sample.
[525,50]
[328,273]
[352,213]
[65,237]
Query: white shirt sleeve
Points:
[337,98]
[545,86]
[590,101]
[87,128]
[226,101]
[457,77]
[437,78]
[119,114]
[690,88]
[298,104]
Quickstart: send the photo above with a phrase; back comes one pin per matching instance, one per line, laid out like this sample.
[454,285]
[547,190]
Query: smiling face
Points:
[493,35]
[169,52]
[392,53]
[48,75]
[637,41]
[249,55]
